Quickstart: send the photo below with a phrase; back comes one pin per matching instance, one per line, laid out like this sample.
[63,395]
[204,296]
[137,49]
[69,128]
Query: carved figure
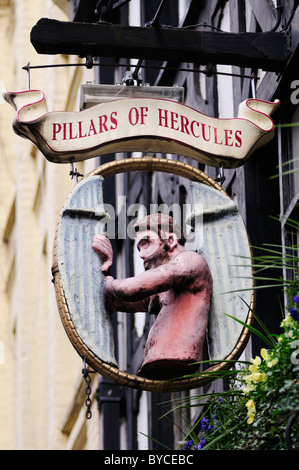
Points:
[176,287]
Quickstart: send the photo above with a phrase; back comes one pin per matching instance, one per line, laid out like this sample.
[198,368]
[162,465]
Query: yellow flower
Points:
[288,321]
[250,419]
[268,357]
[250,405]
[265,355]
[255,364]
[256,361]
[259,377]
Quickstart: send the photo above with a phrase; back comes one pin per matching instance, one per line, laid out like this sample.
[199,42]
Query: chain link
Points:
[87,379]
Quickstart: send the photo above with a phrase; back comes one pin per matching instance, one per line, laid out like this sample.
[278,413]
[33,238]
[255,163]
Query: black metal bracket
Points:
[74,172]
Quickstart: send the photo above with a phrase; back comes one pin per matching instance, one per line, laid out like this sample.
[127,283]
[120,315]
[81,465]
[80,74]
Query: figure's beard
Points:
[161,256]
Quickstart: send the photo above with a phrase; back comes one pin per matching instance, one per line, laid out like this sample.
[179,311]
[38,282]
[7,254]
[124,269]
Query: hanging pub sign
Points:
[142,124]
[197,286]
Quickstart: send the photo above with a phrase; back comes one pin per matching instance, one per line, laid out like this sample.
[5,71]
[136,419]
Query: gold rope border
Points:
[113,373]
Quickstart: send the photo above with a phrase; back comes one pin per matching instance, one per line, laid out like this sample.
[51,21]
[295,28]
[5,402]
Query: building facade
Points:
[43,388]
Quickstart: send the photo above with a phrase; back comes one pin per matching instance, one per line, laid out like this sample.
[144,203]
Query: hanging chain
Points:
[87,379]
[220,178]
[74,172]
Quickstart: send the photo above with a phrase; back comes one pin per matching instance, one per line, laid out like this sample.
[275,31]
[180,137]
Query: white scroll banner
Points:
[145,125]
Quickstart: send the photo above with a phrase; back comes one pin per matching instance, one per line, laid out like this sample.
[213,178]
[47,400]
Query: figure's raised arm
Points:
[167,266]
[184,269]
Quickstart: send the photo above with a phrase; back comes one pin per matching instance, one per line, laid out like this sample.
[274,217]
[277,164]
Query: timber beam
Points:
[264,50]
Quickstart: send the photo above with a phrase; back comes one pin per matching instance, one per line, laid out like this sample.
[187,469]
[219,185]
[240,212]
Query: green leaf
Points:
[253,330]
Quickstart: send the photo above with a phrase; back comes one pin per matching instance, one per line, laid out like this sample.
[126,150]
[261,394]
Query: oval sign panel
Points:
[221,249]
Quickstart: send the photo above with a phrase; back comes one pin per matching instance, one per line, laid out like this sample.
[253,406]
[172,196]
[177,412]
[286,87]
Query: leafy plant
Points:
[262,399]
[260,409]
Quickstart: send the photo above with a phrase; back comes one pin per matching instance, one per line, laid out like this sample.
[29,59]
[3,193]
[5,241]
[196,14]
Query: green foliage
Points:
[260,410]
[263,397]
[266,396]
